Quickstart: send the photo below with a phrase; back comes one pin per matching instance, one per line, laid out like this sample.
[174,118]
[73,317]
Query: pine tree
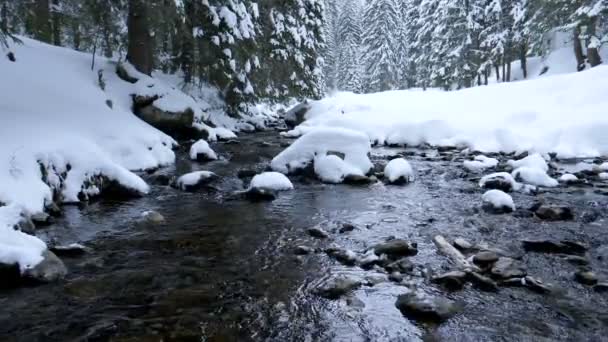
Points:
[348,60]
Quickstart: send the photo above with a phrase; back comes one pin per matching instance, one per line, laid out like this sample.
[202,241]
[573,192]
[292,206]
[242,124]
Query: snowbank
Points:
[202,151]
[271,180]
[59,131]
[563,114]
[399,170]
[317,143]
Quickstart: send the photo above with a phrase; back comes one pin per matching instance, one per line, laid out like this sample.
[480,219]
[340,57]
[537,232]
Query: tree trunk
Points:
[4,17]
[139,49]
[485,76]
[504,72]
[593,55]
[509,72]
[76,38]
[497,72]
[56,20]
[42,21]
[523,60]
[187,48]
[578,50]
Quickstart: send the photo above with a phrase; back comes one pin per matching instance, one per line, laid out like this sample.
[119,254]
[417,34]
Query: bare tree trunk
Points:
[485,76]
[592,51]
[42,21]
[523,60]
[509,72]
[139,49]
[504,72]
[578,50]
[497,72]
[187,51]
[4,17]
[56,21]
[76,39]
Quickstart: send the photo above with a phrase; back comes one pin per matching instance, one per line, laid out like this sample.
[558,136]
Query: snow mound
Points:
[191,180]
[202,151]
[533,161]
[534,176]
[399,169]
[539,115]
[603,176]
[480,163]
[568,177]
[498,200]
[272,181]
[317,143]
[15,246]
[332,169]
[604,166]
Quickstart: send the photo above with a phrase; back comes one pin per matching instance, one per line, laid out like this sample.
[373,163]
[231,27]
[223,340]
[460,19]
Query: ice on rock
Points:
[535,161]
[534,176]
[272,181]
[497,200]
[480,163]
[399,170]
[313,146]
[202,151]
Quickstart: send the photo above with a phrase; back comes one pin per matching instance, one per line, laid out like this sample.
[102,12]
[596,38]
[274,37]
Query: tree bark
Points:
[4,17]
[139,51]
[509,72]
[593,55]
[56,21]
[187,48]
[504,72]
[42,21]
[523,60]
[497,72]
[485,76]
[578,50]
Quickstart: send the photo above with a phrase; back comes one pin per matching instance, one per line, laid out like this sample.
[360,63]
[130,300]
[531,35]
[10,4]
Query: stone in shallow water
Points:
[344,256]
[506,268]
[426,308]
[485,258]
[453,280]
[318,233]
[303,250]
[71,250]
[50,269]
[554,213]
[403,265]
[601,287]
[551,246]
[482,282]
[396,248]
[585,277]
[462,244]
[261,194]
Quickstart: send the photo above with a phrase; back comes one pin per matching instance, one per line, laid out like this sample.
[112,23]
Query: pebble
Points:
[585,277]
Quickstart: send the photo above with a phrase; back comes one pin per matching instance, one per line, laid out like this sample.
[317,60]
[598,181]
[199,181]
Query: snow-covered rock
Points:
[603,176]
[534,176]
[201,151]
[17,247]
[500,181]
[480,163]
[568,178]
[195,180]
[603,166]
[498,201]
[314,147]
[535,161]
[271,180]
[399,171]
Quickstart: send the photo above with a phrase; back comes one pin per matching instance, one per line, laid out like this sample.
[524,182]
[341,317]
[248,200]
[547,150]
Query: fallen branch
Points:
[451,252]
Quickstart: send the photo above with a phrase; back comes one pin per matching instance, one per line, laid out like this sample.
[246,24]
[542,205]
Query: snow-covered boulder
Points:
[399,171]
[296,115]
[201,151]
[498,202]
[320,147]
[568,178]
[603,167]
[534,176]
[50,269]
[195,180]
[535,161]
[266,185]
[480,163]
[603,176]
[500,181]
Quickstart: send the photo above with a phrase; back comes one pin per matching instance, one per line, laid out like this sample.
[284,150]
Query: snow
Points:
[603,175]
[15,246]
[332,169]
[271,180]
[201,147]
[604,166]
[318,142]
[534,176]
[399,168]
[568,177]
[193,178]
[498,199]
[562,114]
[534,161]
[480,163]
[498,175]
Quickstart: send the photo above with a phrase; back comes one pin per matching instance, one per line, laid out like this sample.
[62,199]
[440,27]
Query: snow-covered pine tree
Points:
[330,52]
[348,46]
[381,19]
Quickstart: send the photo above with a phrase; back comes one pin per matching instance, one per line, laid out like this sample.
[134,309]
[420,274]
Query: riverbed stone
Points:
[318,232]
[403,265]
[256,194]
[536,285]
[505,268]
[485,258]
[347,227]
[425,308]
[396,248]
[482,282]
[462,244]
[153,217]
[303,250]
[336,287]
[344,256]
[601,287]
[70,251]
[453,280]
[552,246]
[50,269]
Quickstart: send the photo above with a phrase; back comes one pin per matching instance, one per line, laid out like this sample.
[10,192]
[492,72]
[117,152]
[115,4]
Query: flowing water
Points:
[224,269]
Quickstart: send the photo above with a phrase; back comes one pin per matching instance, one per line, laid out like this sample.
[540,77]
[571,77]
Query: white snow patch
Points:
[604,166]
[568,177]
[498,199]
[193,178]
[201,147]
[271,180]
[332,169]
[603,175]
[15,246]
[533,161]
[399,168]
[480,163]
[318,142]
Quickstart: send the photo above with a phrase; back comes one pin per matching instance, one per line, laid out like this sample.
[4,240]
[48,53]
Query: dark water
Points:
[223,269]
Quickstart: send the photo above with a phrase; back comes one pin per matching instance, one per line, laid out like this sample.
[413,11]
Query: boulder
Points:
[152,217]
[69,251]
[318,232]
[336,287]
[396,248]
[176,124]
[303,250]
[506,268]
[485,258]
[585,277]
[344,256]
[256,194]
[297,114]
[50,269]
[554,213]
[453,280]
[425,308]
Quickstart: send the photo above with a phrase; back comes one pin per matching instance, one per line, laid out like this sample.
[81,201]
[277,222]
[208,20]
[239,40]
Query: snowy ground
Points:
[565,114]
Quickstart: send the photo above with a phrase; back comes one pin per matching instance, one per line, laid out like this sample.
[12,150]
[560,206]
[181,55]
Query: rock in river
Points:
[318,233]
[554,213]
[551,246]
[453,280]
[506,268]
[585,277]
[51,268]
[336,287]
[425,308]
